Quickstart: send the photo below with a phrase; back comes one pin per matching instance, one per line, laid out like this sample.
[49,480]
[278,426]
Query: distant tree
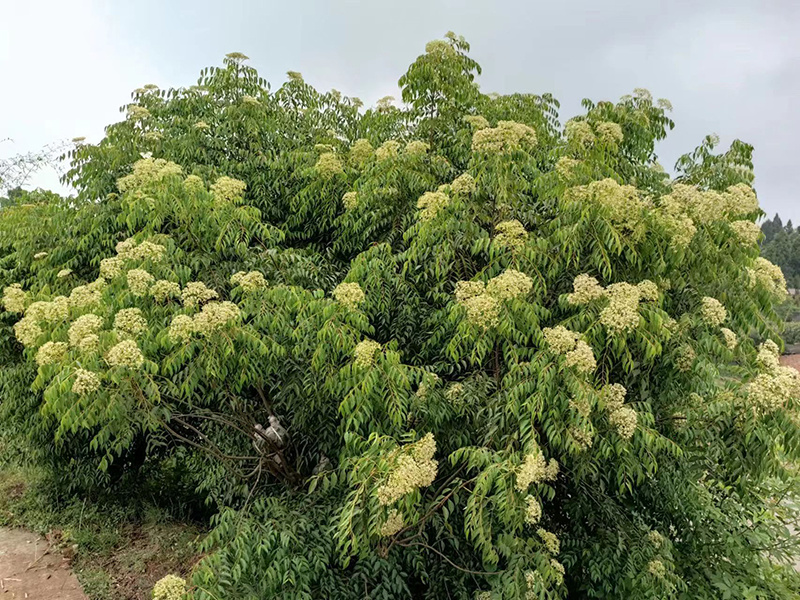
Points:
[771,227]
[16,171]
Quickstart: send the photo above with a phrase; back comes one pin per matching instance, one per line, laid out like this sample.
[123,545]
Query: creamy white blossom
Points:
[364,353]
[129,323]
[85,382]
[125,354]
[51,352]
[349,294]
[15,298]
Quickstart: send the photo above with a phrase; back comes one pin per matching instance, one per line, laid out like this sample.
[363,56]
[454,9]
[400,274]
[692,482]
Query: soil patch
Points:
[30,567]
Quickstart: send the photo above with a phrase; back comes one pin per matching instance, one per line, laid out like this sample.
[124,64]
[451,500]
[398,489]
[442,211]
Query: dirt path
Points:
[30,568]
[791,360]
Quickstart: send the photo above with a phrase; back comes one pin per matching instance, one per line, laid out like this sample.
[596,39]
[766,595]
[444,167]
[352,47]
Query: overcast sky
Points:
[729,67]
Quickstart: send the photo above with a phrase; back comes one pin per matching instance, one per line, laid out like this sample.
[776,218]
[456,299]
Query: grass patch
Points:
[118,551]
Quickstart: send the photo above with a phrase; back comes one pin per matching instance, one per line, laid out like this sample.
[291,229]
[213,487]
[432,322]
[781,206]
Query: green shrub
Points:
[791,332]
[447,350]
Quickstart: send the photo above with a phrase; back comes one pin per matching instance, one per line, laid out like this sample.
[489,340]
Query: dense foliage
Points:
[449,350]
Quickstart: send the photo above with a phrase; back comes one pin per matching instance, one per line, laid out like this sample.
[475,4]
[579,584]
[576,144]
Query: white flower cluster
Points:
[438,47]
[624,420]
[609,133]
[613,396]
[181,328]
[86,296]
[85,382]
[162,289]
[747,233]
[511,234]
[364,353]
[170,587]
[582,437]
[767,275]
[455,394]
[51,352]
[507,137]
[388,150]
[657,569]
[509,284]
[328,166]
[146,250]
[463,185]
[129,323]
[579,132]
[15,298]
[477,121]
[139,281]
[252,281]
[482,301]
[559,570]
[111,267]
[361,151]
[581,357]
[533,510]
[49,312]
[228,189]
[214,316]
[137,112]
[64,273]
[349,294]
[622,312]
[417,148]
[27,332]
[713,312]
[708,206]
[648,291]
[565,167]
[621,203]
[655,538]
[468,289]
[551,541]
[430,203]
[534,470]
[392,524]
[731,339]
[776,385]
[559,339]
[84,326]
[39,255]
[414,468]
[585,289]
[577,353]
[194,184]
[430,381]
[350,200]
[685,358]
[146,171]
[125,354]
[195,293]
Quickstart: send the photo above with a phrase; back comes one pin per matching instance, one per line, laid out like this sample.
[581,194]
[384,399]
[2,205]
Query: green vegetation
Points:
[118,550]
[781,245]
[449,350]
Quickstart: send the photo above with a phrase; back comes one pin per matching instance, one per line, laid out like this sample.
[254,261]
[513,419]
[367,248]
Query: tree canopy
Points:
[449,349]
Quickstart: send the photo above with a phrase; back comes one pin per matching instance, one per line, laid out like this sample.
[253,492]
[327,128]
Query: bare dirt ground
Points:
[791,360]
[31,568]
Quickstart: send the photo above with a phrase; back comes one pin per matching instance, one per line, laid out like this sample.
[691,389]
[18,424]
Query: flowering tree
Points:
[450,350]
